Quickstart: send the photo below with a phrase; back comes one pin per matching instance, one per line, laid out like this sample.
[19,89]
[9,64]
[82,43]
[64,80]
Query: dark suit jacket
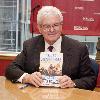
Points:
[76,62]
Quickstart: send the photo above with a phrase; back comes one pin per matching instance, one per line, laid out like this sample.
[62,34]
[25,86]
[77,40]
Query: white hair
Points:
[46,11]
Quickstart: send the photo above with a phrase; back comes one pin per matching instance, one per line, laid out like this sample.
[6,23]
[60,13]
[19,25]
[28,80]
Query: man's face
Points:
[51,28]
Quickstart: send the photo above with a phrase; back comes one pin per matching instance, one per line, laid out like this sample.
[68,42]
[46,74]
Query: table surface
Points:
[8,55]
[11,91]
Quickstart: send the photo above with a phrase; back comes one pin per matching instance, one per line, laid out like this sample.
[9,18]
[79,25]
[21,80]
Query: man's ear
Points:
[39,28]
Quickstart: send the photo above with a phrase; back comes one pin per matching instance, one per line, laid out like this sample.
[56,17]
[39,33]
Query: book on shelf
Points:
[51,68]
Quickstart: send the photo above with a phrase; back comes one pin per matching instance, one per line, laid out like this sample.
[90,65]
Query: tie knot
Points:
[50,48]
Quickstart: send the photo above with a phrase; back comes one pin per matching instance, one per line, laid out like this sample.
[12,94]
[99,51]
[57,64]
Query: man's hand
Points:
[66,82]
[34,79]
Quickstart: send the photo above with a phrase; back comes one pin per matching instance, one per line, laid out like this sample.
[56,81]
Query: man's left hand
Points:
[66,82]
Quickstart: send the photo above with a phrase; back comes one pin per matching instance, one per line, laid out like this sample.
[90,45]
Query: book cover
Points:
[51,68]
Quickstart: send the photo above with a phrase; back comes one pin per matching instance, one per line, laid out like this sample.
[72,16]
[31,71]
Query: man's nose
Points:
[52,29]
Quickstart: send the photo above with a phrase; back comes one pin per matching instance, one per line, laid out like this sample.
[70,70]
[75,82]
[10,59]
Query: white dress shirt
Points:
[56,46]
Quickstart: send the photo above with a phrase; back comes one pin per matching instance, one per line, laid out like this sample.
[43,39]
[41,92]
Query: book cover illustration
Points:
[51,68]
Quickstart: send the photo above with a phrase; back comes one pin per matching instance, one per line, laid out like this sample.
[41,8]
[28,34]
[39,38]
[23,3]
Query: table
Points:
[11,91]
[8,55]
[5,59]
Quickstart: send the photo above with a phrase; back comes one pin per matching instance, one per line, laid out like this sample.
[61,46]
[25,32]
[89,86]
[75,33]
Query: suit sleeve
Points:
[16,69]
[87,77]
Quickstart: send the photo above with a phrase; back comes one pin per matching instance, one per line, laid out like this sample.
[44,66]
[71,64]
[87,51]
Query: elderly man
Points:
[76,69]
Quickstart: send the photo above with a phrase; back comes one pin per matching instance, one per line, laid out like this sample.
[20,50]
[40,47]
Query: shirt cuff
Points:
[21,78]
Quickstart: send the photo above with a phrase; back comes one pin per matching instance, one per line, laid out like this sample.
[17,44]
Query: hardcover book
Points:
[51,68]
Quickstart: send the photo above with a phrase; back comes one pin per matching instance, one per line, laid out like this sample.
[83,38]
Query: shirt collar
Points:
[56,45]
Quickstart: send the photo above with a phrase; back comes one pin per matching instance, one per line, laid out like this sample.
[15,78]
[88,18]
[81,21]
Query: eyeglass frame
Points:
[48,27]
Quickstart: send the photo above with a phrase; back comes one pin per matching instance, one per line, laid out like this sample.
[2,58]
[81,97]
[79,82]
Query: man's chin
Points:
[52,37]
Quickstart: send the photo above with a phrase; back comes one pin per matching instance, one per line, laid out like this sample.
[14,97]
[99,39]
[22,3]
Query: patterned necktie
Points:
[50,48]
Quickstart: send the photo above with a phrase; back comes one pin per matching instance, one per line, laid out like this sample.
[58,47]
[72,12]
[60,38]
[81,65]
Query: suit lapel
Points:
[67,55]
[40,46]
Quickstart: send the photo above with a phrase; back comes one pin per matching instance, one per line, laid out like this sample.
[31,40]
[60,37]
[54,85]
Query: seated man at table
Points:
[76,69]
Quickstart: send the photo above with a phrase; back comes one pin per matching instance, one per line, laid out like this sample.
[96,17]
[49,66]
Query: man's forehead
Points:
[50,19]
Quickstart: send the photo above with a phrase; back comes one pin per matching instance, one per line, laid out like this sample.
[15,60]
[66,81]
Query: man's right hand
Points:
[34,79]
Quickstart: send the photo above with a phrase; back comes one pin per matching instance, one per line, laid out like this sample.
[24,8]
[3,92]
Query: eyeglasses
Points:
[48,27]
